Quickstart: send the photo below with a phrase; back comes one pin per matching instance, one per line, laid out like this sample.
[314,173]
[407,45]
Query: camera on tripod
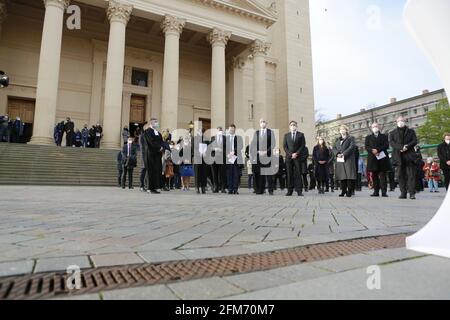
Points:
[4,80]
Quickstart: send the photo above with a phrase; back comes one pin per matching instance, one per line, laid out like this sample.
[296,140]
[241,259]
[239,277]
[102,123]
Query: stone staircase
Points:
[22,164]
[25,164]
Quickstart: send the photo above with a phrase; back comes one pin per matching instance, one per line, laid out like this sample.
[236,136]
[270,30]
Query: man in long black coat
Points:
[444,158]
[153,148]
[218,168]
[404,159]
[377,145]
[69,130]
[261,153]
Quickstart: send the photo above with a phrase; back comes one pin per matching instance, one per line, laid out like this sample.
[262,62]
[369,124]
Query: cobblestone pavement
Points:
[49,228]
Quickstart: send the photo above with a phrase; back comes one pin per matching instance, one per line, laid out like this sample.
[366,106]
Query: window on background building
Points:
[415,111]
[404,114]
[139,78]
[425,109]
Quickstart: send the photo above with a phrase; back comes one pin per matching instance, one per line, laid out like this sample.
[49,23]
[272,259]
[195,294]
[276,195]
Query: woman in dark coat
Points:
[377,145]
[344,150]
[321,158]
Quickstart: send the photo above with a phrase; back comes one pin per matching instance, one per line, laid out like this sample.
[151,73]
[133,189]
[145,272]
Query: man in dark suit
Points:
[377,145]
[403,140]
[200,167]
[69,127]
[153,148]
[444,158]
[294,144]
[234,147]
[218,168]
[261,153]
[129,162]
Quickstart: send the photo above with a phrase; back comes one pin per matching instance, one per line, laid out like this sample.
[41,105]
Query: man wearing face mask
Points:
[294,144]
[153,148]
[403,140]
[345,149]
[218,168]
[377,145]
[444,158]
[129,161]
[261,153]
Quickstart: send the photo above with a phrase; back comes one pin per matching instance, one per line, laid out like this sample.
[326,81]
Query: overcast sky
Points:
[361,60]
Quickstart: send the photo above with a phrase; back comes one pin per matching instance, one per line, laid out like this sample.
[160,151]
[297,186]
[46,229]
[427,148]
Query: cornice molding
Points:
[267,19]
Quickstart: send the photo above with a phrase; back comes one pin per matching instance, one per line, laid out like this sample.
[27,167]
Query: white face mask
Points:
[130,141]
[263,125]
[375,130]
[401,124]
[321,141]
[447,141]
[220,133]
[293,128]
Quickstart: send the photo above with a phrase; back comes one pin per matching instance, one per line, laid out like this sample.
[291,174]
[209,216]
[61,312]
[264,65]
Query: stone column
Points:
[218,39]
[118,14]
[172,28]
[48,74]
[259,51]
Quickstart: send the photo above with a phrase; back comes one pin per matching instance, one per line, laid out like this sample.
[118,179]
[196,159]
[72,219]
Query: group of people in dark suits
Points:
[84,138]
[11,130]
[225,163]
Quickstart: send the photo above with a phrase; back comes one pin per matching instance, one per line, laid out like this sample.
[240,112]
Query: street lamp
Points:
[191,127]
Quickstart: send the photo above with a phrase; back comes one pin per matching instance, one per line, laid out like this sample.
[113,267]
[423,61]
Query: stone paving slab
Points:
[203,289]
[16,267]
[110,222]
[421,278]
[61,263]
[158,292]
[115,259]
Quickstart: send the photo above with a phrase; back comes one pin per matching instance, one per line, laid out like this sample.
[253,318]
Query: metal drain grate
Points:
[94,280]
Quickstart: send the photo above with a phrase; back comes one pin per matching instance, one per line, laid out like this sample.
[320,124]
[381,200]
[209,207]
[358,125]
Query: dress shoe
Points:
[384,195]
[289,194]
[349,195]
[155,192]
[203,191]
[403,196]
[412,197]
[271,193]
[342,194]
[300,194]
[375,195]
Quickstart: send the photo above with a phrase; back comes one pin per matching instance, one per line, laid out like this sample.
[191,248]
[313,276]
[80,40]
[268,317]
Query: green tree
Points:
[438,123]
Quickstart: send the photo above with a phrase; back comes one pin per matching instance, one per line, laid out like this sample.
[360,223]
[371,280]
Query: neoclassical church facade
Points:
[208,62]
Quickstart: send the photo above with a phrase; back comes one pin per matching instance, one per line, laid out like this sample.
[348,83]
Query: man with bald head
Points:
[377,145]
[404,158]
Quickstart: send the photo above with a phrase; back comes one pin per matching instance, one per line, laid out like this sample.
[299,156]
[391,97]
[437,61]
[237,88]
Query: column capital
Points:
[235,63]
[62,4]
[259,47]
[118,11]
[171,24]
[219,37]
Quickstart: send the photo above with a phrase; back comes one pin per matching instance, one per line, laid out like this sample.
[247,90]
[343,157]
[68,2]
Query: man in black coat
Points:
[218,168]
[69,127]
[234,146]
[153,148]
[261,153]
[200,166]
[403,140]
[377,145]
[294,144]
[129,162]
[444,157]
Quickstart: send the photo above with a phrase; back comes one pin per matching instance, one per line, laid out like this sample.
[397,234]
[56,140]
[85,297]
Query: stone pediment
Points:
[250,8]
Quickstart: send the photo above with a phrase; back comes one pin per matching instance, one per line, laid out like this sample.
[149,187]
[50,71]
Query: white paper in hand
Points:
[341,160]
[381,155]
[232,158]
[202,147]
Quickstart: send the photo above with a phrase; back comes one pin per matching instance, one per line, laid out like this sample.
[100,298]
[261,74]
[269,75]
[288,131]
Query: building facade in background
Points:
[210,62]
[413,109]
